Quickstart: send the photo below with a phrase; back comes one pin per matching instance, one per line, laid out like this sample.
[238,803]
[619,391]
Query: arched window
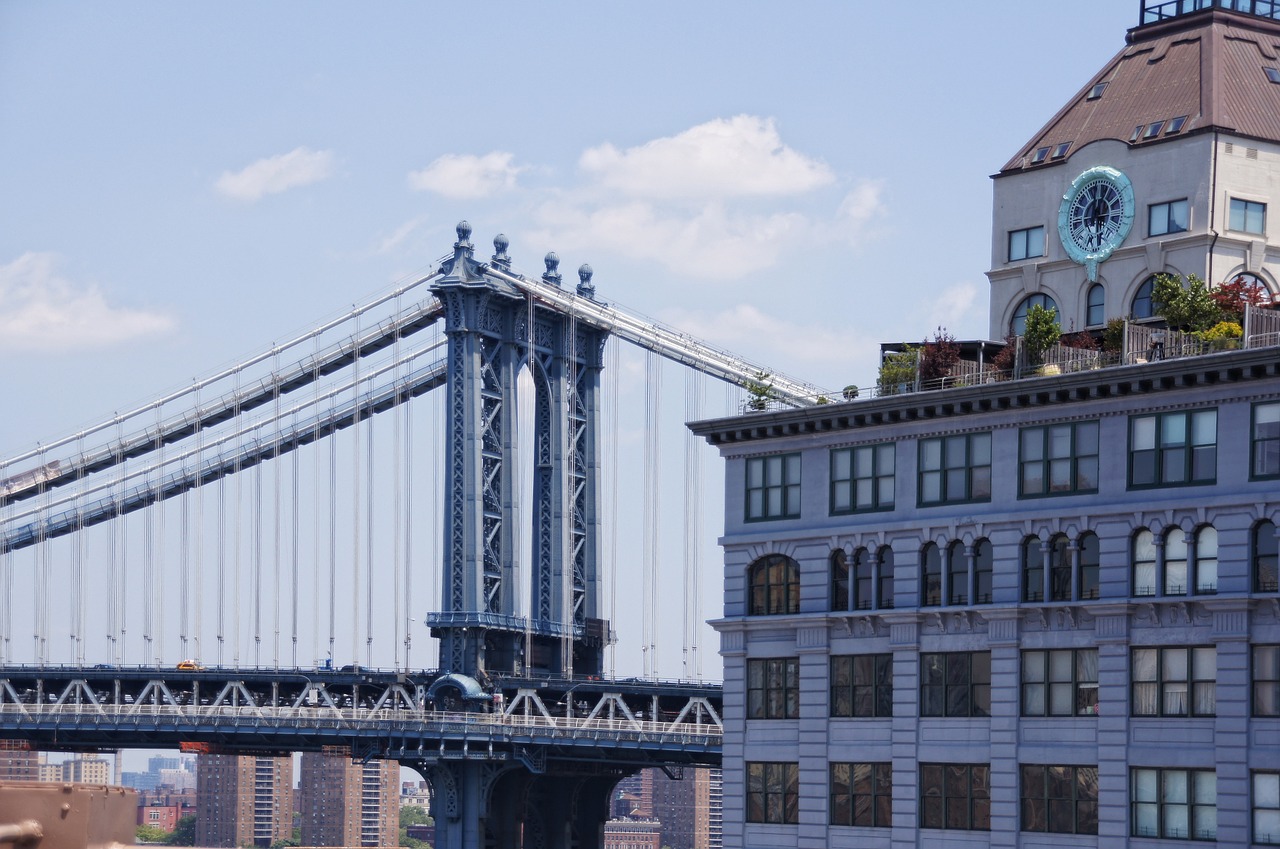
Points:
[1144,563]
[1032,570]
[1206,561]
[1090,558]
[885,592]
[1019,325]
[930,576]
[1175,562]
[957,574]
[1144,306]
[774,582]
[863,579]
[1095,314]
[1266,578]
[1060,568]
[983,569]
[840,581]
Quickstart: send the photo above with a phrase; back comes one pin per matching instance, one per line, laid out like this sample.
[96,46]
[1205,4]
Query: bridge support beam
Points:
[479,805]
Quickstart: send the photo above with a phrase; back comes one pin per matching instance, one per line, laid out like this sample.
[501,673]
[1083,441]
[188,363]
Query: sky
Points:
[183,184]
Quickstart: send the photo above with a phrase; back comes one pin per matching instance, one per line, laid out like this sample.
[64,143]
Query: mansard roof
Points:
[1209,68]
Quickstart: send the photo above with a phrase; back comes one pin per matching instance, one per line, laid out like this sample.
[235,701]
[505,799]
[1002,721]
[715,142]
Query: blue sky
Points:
[184,183]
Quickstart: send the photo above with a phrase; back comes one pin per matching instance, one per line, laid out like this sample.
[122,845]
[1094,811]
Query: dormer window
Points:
[1175,126]
[1061,150]
[1040,155]
[1096,91]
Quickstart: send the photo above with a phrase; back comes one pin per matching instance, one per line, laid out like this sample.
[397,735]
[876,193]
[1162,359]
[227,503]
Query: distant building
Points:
[164,809]
[684,808]
[347,803]
[633,834]
[243,800]
[415,793]
[18,762]
[90,770]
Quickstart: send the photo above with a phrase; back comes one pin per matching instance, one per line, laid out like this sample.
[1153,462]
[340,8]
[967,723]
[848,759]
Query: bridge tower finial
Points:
[552,275]
[586,288]
[500,257]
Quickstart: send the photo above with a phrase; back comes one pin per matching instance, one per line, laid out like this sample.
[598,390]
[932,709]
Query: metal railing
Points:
[1163,10]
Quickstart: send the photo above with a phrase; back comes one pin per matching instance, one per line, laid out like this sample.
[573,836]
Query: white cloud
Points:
[860,212]
[396,238]
[467,177]
[741,156]
[711,242]
[40,310]
[954,309]
[275,174]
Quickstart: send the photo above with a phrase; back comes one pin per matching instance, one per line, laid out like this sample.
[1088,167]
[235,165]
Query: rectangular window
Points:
[862,685]
[1266,680]
[1060,682]
[1266,441]
[1164,218]
[956,796]
[1248,216]
[955,684]
[1059,799]
[1171,681]
[1179,804]
[773,792]
[1173,448]
[862,478]
[862,794]
[1266,808]
[773,487]
[773,688]
[1058,459]
[955,469]
[1025,244]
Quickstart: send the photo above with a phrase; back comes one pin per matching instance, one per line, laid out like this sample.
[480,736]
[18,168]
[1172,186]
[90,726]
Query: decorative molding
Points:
[811,639]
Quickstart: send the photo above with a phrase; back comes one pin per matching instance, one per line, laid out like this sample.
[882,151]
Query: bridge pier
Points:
[484,805]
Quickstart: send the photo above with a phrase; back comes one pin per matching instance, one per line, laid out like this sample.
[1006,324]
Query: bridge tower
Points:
[494,332]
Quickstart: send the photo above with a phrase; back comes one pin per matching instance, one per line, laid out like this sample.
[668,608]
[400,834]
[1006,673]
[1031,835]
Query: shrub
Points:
[1113,336]
[939,357]
[1042,333]
[899,369]
[1185,307]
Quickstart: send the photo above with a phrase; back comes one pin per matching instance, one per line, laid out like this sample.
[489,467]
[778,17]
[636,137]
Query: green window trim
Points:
[954,469]
[772,488]
[862,479]
[1057,460]
[1173,449]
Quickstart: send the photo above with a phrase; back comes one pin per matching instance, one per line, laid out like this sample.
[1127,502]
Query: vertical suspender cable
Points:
[148,579]
[333,541]
[649,566]
[222,568]
[160,532]
[692,525]
[407,529]
[114,625]
[316,524]
[199,576]
[397,473]
[355,492]
[237,597]
[78,574]
[42,571]
[257,507]
[368,542]
[184,575]
[611,471]
[294,462]
[275,524]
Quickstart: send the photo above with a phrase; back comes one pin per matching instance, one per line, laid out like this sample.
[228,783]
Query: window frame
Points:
[1031,552]
[946,467]
[1266,446]
[1159,805]
[875,693]
[1167,687]
[1272,838]
[779,686]
[878,453]
[1258,684]
[790,492]
[879,808]
[1080,687]
[1168,208]
[758,791]
[1079,800]
[976,693]
[789,588]
[1089,580]
[1018,323]
[1025,234]
[1145,295]
[1258,555]
[974,807]
[931,575]
[1240,210]
[1161,450]
[956,567]
[1100,318]
[983,577]
[884,578]
[840,587]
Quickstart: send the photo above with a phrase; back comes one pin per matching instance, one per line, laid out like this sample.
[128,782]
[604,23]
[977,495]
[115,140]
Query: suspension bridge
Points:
[240,565]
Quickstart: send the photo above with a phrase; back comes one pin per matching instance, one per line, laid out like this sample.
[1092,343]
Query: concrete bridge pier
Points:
[484,805]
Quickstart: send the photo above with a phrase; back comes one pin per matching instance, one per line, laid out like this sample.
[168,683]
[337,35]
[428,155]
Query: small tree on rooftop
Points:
[898,370]
[1233,297]
[1188,307]
[759,391]
[939,357]
[1042,333]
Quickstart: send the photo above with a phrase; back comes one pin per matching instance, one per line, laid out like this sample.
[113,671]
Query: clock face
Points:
[1096,216]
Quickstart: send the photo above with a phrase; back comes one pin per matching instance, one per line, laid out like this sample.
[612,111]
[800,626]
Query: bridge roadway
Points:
[415,718]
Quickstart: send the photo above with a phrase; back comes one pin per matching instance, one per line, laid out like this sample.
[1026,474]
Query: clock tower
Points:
[1165,162]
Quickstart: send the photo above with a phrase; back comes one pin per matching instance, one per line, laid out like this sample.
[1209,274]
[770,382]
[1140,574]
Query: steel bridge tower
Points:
[495,330]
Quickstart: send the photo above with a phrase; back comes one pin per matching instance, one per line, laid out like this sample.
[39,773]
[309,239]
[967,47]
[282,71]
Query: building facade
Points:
[243,800]
[1039,612]
[347,803]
